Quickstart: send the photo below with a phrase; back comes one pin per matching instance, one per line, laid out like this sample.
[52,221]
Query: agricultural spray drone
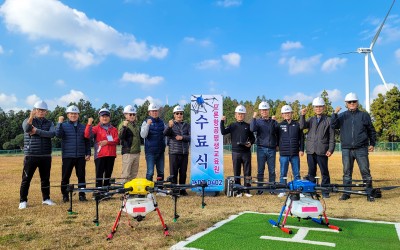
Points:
[303,199]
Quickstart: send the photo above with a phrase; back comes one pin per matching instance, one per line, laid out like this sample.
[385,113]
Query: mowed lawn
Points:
[44,227]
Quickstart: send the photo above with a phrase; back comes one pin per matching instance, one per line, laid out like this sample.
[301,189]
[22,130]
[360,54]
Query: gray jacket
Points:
[320,136]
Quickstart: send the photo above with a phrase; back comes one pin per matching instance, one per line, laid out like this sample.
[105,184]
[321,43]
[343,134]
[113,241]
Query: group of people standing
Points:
[76,148]
[357,136]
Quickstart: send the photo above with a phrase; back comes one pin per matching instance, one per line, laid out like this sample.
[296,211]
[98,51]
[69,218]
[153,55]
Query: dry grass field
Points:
[44,227]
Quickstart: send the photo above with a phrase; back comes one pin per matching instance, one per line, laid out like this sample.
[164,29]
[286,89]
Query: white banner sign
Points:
[206,142]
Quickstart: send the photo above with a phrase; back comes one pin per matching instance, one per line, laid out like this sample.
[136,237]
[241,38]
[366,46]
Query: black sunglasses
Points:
[352,101]
[132,114]
[178,113]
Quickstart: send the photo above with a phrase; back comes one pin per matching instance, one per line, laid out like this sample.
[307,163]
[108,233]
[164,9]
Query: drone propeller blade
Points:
[379,71]
[389,188]
[380,27]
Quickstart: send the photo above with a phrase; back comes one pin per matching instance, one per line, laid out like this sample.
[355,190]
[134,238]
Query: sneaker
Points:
[161,194]
[272,193]
[48,202]
[344,197]
[248,195]
[239,195]
[370,198]
[23,205]
[259,192]
[280,195]
[302,195]
[65,198]
[326,196]
[82,198]
[183,193]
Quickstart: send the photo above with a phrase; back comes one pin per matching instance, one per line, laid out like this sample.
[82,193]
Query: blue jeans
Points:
[361,156]
[294,161]
[266,155]
[158,160]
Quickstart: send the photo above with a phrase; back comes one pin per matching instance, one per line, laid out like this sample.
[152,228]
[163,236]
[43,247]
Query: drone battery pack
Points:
[139,206]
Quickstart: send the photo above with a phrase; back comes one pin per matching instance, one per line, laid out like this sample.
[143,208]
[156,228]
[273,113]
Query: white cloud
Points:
[229,3]
[1,50]
[297,66]
[7,101]
[60,83]
[301,97]
[209,64]
[72,96]
[333,64]
[42,50]
[202,43]
[142,78]
[334,95]
[81,59]
[140,101]
[381,89]
[397,55]
[30,100]
[44,19]
[232,59]
[288,45]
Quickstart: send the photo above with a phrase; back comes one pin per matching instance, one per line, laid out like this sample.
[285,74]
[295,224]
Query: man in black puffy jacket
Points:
[242,139]
[358,137]
[38,132]
[75,150]
[178,135]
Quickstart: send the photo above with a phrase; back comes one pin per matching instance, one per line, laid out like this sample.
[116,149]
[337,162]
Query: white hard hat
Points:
[263,105]
[351,97]
[153,106]
[129,110]
[72,109]
[40,105]
[104,111]
[240,109]
[286,109]
[318,101]
[178,109]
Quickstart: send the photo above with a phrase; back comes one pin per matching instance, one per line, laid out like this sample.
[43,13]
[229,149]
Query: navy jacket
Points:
[154,140]
[240,134]
[267,130]
[291,138]
[73,144]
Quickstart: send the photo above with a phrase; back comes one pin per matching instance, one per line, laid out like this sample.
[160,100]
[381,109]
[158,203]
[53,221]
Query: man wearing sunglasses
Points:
[358,137]
[178,135]
[129,135]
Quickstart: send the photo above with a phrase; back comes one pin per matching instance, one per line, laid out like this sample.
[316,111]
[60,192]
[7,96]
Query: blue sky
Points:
[127,51]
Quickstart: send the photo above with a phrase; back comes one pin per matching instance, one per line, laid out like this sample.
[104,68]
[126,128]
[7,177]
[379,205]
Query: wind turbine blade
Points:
[379,71]
[380,28]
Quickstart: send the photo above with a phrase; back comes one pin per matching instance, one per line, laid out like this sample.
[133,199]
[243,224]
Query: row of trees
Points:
[385,112]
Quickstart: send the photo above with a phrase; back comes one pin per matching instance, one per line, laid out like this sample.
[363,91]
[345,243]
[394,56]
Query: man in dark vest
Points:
[38,132]
[154,142]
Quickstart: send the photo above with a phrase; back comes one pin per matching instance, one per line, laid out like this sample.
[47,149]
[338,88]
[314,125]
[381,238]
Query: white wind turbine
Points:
[368,51]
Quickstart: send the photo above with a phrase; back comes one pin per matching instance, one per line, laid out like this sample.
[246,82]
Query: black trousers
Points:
[68,165]
[104,169]
[322,161]
[178,165]
[238,160]
[30,165]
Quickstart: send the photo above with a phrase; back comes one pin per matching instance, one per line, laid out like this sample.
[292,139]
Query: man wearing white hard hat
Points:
[357,138]
[242,139]
[106,139]
[38,132]
[178,135]
[266,130]
[154,142]
[291,145]
[320,141]
[129,135]
[75,150]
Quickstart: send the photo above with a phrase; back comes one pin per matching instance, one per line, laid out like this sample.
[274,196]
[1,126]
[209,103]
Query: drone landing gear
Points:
[278,223]
[321,221]
[70,189]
